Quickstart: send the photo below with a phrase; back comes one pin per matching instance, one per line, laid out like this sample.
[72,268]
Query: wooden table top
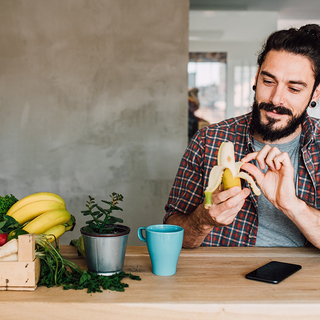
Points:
[209,281]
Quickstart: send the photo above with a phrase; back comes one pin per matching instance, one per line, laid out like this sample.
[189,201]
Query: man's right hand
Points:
[198,224]
[226,205]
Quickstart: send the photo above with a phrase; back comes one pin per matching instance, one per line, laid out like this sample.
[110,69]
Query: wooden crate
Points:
[24,273]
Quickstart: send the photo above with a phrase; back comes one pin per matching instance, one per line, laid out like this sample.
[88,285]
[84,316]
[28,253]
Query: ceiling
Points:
[287,9]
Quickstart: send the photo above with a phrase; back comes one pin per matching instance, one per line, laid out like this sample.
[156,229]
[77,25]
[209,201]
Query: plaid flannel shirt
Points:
[200,156]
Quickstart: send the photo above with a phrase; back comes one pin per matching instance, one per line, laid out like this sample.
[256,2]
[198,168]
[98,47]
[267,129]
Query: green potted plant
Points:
[105,240]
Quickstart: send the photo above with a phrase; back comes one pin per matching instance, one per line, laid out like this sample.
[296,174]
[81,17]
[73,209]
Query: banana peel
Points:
[228,172]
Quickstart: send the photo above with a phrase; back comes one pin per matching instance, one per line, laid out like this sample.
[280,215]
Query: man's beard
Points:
[266,131]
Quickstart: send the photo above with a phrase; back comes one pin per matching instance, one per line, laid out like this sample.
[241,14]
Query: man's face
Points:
[284,87]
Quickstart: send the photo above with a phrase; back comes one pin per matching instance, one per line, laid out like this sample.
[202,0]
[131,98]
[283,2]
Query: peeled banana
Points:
[227,171]
[55,232]
[47,220]
[40,196]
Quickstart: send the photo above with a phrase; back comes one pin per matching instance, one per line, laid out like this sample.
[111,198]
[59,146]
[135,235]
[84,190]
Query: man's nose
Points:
[277,96]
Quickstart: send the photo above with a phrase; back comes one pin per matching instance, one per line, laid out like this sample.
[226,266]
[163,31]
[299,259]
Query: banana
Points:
[34,209]
[69,225]
[227,171]
[32,198]
[47,220]
[55,232]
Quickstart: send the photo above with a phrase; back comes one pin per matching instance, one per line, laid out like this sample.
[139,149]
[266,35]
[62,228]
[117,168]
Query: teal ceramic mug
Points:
[164,243]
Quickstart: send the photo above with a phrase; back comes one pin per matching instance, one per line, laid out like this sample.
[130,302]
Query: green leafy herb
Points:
[6,203]
[102,221]
[7,223]
[97,283]
[57,271]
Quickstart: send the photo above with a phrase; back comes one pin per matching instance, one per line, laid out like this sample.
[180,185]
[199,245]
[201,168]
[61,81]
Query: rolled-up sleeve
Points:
[187,191]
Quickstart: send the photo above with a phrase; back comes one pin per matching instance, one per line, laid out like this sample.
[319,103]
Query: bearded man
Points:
[280,147]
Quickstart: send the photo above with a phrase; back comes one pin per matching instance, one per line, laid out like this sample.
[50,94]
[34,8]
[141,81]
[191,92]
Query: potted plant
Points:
[105,241]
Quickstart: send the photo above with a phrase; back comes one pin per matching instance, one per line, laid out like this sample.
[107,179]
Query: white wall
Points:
[93,99]
[239,33]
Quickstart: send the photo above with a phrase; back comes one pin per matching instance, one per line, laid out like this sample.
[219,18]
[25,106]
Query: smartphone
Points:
[273,272]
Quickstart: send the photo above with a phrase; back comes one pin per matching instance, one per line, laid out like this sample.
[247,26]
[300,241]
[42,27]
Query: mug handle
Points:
[140,235]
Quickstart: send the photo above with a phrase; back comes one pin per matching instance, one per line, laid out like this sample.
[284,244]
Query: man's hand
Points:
[277,184]
[198,224]
[226,205]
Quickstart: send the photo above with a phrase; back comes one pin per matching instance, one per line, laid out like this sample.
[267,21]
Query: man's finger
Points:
[249,157]
[253,170]
[225,195]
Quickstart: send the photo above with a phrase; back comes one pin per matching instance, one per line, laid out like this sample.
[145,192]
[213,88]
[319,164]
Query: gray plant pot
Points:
[105,253]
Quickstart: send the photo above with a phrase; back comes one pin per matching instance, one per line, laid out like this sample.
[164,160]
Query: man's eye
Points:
[267,82]
[294,90]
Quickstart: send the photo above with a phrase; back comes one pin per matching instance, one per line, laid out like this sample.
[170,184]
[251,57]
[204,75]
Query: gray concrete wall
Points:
[93,99]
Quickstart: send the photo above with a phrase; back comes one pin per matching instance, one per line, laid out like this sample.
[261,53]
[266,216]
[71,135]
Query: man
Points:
[280,146]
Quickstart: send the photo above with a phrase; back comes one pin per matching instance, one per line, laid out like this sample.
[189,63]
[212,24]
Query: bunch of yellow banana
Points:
[43,213]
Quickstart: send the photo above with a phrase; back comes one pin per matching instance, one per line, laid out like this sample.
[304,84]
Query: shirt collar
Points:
[249,133]
[307,132]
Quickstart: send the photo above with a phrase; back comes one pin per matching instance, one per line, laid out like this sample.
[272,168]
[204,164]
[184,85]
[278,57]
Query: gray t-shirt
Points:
[275,229]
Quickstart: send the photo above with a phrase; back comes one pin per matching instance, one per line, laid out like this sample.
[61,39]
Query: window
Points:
[207,79]
[244,77]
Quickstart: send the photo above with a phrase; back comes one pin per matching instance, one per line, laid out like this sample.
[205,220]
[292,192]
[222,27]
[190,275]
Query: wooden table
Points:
[210,282]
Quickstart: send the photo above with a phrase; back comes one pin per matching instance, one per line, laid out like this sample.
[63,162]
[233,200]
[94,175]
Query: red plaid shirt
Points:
[200,156]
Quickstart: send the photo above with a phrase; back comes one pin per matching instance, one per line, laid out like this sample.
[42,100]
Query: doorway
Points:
[207,89]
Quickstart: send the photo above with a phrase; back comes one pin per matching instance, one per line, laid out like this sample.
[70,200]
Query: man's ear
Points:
[316,94]
[256,77]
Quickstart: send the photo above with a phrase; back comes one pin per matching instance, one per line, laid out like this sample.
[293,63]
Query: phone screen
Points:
[273,272]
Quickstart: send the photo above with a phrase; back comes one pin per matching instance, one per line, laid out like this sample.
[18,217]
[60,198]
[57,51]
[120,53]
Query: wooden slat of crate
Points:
[24,273]
[26,247]
[19,275]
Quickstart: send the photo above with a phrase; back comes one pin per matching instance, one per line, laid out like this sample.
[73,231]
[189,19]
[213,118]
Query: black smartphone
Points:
[273,272]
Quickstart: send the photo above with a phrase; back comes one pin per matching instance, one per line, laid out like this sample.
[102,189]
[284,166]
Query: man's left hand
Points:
[277,184]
